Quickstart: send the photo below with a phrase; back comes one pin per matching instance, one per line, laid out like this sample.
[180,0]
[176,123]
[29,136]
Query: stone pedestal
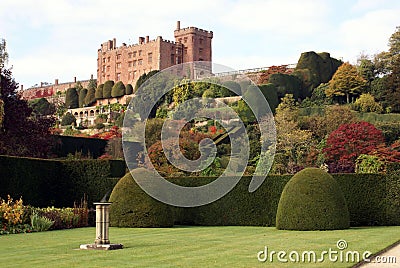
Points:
[102,241]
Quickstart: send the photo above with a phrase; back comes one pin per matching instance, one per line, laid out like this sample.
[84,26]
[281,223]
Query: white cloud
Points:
[369,33]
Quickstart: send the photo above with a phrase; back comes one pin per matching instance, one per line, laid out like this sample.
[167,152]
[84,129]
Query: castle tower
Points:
[196,43]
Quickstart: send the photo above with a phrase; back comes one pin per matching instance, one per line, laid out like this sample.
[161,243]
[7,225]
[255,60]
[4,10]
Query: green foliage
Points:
[128,89]
[118,90]
[107,88]
[57,183]
[182,92]
[315,68]
[312,200]
[368,164]
[68,119]
[244,112]
[230,88]
[99,92]
[366,103]
[40,223]
[367,201]
[71,98]
[132,207]
[287,84]
[143,78]
[270,93]
[42,107]
[82,96]
[346,82]
[90,97]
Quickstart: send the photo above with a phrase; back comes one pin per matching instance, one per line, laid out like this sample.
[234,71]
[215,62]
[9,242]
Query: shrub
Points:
[366,103]
[129,89]
[369,164]
[82,96]
[68,119]
[132,207]
[99,92]
[60,183]
[312,200]
[118,90]
[71,98]
[90,97]
[349,141]
[270,93]
[39,223]
[107,88]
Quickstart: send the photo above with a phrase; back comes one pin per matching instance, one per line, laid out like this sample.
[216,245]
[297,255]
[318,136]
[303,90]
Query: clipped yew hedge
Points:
[132,207]
[312,200]
[59,183]
[372,199]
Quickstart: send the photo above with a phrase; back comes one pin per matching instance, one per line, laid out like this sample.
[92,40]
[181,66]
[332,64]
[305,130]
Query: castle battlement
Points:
[127,62]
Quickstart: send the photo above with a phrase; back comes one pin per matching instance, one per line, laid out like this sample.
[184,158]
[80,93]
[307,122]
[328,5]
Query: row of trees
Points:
[80,97]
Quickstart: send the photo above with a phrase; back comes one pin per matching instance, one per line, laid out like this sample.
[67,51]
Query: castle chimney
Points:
[141,40]
[56,82]
[91,76]
[147,38]
[114,43]
[178,25]
[75,79]
[22,87]
[41,84]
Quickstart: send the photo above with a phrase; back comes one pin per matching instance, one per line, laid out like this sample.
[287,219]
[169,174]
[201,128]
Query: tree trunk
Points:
[348,97]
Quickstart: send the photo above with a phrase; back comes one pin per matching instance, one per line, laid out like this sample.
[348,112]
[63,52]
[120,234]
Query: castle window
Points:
[172,59]
[134,74]
[104,60]
[134,63]
[118,65]
[108,59]
[185,50]
[201,41]
[108,68]
[104,68]
[140,62]
[134,53]
[192,39]
[140,53]
[118,56]
[129,64]
[150,57]
[130,55]
[200,50]
[118,76]
[185,39]
[130,74]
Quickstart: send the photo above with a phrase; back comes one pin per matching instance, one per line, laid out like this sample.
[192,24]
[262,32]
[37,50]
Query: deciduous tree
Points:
[349,141]
[346,82]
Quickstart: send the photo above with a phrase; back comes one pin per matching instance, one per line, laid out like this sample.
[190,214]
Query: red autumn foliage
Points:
[349,141]
[389,154]
[188,145]
[107,135]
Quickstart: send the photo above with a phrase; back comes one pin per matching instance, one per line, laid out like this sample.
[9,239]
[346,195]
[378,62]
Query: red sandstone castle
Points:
[128,62]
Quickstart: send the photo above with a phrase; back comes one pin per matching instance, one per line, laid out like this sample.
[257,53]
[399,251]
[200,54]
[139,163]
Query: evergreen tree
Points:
[71,98]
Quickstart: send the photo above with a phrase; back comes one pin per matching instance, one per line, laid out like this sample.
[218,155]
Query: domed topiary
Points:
[312,200]
[132,207]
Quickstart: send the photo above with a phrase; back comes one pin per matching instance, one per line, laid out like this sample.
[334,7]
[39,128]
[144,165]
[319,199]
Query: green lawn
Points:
[184,246]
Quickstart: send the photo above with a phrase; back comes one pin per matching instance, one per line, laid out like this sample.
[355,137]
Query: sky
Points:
[49,39]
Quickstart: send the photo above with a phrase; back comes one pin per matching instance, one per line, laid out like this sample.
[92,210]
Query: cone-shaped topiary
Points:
[312,200]
[132,207]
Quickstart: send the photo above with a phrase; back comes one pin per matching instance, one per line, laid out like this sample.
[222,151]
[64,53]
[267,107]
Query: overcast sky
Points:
[49,39]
